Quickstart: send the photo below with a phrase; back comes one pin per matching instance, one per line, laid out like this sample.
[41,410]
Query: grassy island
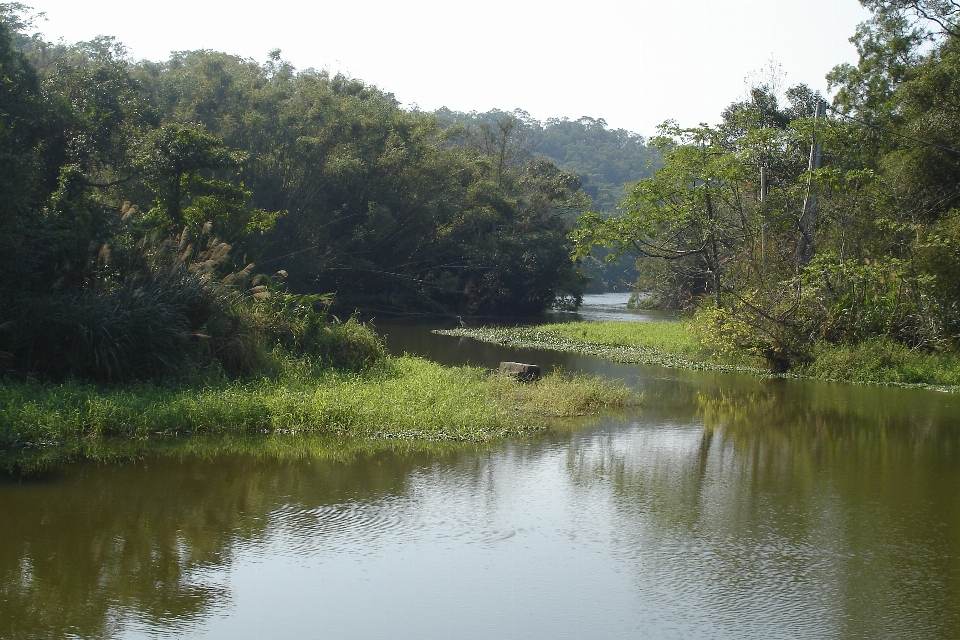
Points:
[682,345]
[398,398]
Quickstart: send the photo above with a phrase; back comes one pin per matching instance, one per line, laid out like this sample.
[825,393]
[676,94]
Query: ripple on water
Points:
[342,525]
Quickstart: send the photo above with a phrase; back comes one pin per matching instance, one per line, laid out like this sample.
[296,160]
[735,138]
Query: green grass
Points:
[883,361]
[405,398]
[678,344]
[678,338]
[669,344]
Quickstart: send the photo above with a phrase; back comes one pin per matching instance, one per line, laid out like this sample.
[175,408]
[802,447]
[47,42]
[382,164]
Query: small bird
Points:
[463,325]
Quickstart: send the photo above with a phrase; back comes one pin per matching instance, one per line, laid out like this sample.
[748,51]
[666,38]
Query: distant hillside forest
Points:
[607,162]
[604,159]
[113,169]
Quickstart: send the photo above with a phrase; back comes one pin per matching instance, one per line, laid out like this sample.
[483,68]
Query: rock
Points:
[520,371]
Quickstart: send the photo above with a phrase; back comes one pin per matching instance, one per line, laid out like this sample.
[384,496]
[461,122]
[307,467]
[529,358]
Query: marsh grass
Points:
[680,345]
[404,398]
[669,344]
[883,361]
[678,338]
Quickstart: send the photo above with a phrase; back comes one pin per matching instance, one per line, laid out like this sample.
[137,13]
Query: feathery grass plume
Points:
[168,304]
[128,211]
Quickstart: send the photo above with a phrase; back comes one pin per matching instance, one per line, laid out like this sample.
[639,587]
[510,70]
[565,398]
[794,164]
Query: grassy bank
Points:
[405,398]
[668,344]
[678,344]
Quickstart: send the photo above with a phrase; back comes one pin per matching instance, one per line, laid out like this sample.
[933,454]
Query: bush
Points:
[131,332]
[271,319]
[883,360]
[160,322]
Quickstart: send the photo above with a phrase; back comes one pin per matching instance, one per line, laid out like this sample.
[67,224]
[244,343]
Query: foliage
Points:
[604,159]
[691,212]
[664,344]
[140,198]
[173,306]
[706,342]
[808,229]
[885,361]
[383,208]
[672,337]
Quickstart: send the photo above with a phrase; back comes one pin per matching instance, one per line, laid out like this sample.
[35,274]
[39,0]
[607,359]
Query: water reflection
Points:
[732,532]
[96,549]
[738,518]
[609,306]
[729,506]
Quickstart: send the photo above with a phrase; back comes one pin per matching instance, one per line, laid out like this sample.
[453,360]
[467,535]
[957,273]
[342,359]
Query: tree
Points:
[944,14]
[694,212]
[26,180]
[173,159]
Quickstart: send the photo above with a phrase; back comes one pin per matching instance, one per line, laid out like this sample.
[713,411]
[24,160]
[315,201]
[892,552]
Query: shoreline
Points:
[549,338]
[45,425]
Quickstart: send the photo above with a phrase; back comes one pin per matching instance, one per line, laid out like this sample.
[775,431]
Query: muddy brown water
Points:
[728,506]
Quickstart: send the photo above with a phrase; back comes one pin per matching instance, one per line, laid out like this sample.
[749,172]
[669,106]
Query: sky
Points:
[634,64]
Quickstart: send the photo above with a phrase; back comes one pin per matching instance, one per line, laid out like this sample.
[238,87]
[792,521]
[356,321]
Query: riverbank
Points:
[678,345]
[665,344]
[400,398]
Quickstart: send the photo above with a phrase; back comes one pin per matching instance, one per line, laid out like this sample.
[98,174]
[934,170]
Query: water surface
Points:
[729,506]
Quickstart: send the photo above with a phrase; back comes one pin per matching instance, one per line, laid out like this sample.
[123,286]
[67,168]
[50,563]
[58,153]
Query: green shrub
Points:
[97,335]
[883,360]
[161,322]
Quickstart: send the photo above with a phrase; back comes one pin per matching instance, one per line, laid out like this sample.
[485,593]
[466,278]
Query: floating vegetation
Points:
[662,344]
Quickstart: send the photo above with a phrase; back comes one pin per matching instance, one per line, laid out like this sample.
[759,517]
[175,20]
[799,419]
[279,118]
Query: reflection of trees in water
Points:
[97,545]
[120,539]
[830,505]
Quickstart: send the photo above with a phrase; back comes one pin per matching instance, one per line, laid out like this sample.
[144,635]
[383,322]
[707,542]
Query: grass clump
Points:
[403,398]
[168,307]
[678,338]
[884,361]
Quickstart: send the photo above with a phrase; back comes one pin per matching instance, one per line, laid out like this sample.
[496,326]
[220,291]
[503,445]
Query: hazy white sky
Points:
[634,64]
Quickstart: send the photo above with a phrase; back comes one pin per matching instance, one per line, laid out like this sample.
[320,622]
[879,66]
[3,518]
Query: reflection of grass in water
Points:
[405,398]
[279,445]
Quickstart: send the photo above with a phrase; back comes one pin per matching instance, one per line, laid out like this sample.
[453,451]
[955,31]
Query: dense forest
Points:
[149,201]
[322,176]
[606,160]
[796,223]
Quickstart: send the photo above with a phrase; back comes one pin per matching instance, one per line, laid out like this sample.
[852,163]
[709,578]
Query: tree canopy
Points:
[789,224]
[320,176]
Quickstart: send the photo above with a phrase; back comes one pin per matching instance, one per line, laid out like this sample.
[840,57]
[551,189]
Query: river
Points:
[726,506]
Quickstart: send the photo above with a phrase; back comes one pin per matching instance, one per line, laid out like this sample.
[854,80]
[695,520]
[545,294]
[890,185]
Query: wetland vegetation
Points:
[171,234]
[399,398]
[688,345]
[183,245]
